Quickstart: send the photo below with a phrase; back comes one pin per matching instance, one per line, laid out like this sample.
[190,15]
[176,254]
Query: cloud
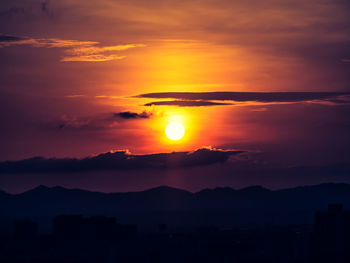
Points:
[133,115]
[100,122]
[119,160]
[92,58]
[43,42]
[7,38]
[75,123]
[214,98]
[96,53]
[75,50]
[186,103]
[74,96]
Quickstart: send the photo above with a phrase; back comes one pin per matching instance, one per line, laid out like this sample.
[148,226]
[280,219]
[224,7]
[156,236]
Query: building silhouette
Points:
[25,230]
[330,241]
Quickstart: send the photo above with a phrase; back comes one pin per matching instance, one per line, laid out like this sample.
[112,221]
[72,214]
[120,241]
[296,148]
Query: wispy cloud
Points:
[92,58]
[133,115]
[100,122]
[75,50]
[196,99]
[186,103]
[74,96]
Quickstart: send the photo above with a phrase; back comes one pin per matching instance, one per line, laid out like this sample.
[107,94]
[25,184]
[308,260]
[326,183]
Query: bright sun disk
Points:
[175,131]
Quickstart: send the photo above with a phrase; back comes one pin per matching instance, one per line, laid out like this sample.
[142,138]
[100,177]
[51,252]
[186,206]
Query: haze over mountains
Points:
[222,206]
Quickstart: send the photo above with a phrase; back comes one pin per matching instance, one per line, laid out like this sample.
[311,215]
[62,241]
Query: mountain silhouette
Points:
[224,205]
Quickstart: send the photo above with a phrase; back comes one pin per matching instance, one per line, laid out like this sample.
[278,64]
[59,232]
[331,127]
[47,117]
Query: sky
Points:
[87,89]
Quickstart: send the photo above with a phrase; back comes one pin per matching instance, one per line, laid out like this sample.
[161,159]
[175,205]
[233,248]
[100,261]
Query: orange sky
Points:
[75,64]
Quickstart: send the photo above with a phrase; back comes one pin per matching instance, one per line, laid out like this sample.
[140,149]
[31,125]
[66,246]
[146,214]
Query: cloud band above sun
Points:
[198,99]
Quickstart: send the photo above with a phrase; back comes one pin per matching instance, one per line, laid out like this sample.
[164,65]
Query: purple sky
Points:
[80,79]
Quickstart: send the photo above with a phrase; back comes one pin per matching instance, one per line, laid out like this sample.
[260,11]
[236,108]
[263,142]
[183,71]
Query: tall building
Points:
[330,241]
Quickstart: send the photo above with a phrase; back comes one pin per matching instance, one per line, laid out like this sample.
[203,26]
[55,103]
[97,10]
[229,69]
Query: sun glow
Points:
[175,131]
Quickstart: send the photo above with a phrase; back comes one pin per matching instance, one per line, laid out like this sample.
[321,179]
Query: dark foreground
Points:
[75,238]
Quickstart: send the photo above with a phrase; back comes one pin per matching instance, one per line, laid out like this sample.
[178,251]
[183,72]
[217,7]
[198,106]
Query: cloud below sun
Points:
[119,160]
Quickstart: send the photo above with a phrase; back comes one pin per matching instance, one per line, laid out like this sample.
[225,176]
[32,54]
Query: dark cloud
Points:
[119,160]
[100,122]
[187,103]
[267,97]
[133,115]
[7,38]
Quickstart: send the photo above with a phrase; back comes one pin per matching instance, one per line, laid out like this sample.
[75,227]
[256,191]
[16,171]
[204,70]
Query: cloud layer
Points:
[75,50]
[104,121]
[186,103]
[187,99]
[119,160]
[133,115]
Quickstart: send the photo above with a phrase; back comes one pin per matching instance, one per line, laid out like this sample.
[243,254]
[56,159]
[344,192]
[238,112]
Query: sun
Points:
[175,131]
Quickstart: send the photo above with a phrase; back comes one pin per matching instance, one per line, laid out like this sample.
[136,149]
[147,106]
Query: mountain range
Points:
[223,206]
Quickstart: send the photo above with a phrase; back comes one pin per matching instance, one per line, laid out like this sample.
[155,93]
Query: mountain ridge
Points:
[221,205]
[257,187]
